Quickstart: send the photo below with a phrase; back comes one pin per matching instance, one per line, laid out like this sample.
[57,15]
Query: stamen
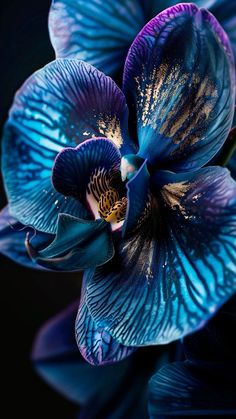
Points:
[111,208]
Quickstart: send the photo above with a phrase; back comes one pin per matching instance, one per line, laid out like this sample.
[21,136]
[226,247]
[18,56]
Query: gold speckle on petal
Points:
[172,194]
[109,126]
[175,103]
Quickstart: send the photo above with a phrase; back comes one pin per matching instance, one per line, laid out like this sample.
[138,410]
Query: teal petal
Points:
[75,245]
[173,274]
[95,343]
[59,106]
[182,390]
[95,31]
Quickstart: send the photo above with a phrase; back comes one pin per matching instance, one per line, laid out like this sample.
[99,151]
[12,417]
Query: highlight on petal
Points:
[95,31]
[180,76]
[59,106]
[169,278]
[58,361]
[179,389]
[95,343]
[75,246]
[12,239]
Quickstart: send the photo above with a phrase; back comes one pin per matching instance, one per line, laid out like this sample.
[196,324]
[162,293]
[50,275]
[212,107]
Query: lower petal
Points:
[180,390]
[12,239]
[169,279]
[95,343]
[75,245]
[57,360]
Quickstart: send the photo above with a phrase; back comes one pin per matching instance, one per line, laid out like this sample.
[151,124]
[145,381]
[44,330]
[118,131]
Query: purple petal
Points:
[180,76]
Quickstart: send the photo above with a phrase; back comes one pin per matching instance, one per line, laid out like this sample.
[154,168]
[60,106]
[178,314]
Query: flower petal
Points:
[74,168]
[96,344]
[169,278]
[178,389]
[179,74]
[137,194]
[57,359]
[95,31]
[61,105]
[75,245]
[12,240]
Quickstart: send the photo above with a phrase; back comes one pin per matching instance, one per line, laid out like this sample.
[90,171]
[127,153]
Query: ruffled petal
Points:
[178,389]
[61,105]
[95,31]
[91,163]
[180,75]
[12,240]
[57,359]
[96,344]
[168,279]
[75,246]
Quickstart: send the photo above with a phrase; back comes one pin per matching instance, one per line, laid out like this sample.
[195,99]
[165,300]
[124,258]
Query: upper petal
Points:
[61,105]
[223,10]
[179,74]
[169,279]
[96,31]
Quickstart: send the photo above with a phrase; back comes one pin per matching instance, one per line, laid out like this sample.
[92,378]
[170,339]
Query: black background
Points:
[28,298]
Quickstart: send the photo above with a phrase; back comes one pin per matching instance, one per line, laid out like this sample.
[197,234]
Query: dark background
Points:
[28,298]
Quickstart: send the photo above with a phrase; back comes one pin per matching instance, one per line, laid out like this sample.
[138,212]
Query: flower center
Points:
[110,207]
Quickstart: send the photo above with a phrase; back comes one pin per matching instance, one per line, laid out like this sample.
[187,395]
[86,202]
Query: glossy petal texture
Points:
[179,390]
[12,239]
[96,344]
[57,359]
[179,73]
[61,105]
[95,31]
[74,168]
[168,279]
[75,246]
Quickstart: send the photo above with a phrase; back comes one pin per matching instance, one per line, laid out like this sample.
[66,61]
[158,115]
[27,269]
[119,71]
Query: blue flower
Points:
[100,32]
[154,228]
